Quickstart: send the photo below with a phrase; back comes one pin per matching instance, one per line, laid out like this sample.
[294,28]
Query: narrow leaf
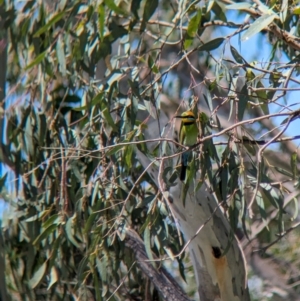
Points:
[38,275]
[147,240]
[243,100]
[52,21]
[112,5]
[61,56]
[135,5]
[296,210]
[294,165]
[69,232]
[257,26]
[37,60]
[237,56]
[239,6]
[44,234]
[149,10]
[101,21]
[192,28]
[114,150]
[2,181]
[211,45]
[53,277]
[208,100]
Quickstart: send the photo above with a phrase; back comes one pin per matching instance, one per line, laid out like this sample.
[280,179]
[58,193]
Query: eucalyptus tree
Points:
[90,157]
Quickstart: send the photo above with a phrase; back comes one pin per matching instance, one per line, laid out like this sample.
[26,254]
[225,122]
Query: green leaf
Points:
[261,206]
[243,100]
[135,5]
[114,150]
[112,5]
[51,22]
[101,21]
[96,100]
[192,28]
[272,195]
[283,171]
[69,231]
[211,45]
[152,66]
[34,217]
[128,156]
[294,167]
[232,80]
[257,26]
[27,136]
[38,275]
[237,56]
[42,128]
[55,247]
[44,234]
[239,6]
[181,269]
[36,61]
[91,220]
[2,181]
[54,219]
[115,76]
[53,277]
[219,11]
[208,100]
[149,9]
[224,181]
[284,9]
[234,211]
[147,241]
[102,270]
[107,117]
[61,56]
[81,268]
[296,209]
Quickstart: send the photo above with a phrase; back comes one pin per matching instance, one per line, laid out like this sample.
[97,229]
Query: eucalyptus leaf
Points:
[61,56]
[147,240]
[50,23]
[36,61]
[243,100]
[258,25]
[45,233]
[38,275]
[53,277]
[149,9]
[239,6]
[211,45]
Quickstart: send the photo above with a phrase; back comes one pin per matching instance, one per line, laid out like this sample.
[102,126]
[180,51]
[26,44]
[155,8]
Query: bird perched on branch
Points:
[187,136]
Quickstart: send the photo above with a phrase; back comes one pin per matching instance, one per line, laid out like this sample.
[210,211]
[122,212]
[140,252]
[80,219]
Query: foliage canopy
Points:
[86,86]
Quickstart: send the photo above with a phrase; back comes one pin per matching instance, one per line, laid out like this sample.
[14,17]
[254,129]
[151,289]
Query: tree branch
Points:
[161,279]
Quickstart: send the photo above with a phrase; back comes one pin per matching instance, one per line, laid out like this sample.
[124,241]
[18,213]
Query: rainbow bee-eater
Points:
[187,136]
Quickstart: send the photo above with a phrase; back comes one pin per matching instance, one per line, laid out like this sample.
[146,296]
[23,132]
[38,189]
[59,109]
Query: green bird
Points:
[187,136]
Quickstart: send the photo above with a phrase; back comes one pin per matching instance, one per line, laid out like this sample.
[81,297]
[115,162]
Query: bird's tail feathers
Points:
[184,163]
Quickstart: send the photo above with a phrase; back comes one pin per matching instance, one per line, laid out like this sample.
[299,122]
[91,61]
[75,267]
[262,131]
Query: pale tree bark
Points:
[218,276]
[217,258]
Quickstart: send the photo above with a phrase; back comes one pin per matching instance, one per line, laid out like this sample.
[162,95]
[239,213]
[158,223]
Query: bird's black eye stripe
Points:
[189,122]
